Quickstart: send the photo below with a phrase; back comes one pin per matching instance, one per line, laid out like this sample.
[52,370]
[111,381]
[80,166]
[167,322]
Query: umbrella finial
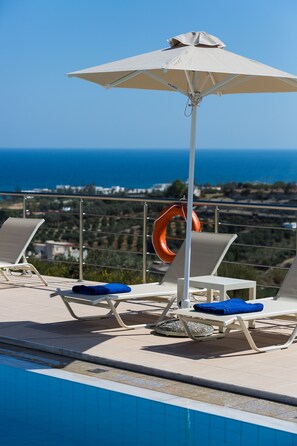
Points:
[199,38]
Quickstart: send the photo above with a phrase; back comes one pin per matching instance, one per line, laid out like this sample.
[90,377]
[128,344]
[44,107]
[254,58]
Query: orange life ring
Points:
[160,229]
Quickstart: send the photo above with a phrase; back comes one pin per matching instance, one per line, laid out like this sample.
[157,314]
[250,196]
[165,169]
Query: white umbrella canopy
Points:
[195,65]
[220,71]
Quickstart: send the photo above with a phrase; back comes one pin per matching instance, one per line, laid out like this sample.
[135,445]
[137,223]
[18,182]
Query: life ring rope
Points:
[160,229]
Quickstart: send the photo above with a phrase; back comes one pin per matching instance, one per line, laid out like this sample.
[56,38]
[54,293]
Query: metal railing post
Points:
[216,219]
[81,230]
[296,236]
[144,243]
[24,206]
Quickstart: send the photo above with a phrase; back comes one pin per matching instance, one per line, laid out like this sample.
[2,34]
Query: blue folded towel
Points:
[231,306]
[94,290]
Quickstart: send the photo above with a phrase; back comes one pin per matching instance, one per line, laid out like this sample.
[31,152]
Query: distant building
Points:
[160,187]
[289,225]
[109,190]
[136,191]
[52,250]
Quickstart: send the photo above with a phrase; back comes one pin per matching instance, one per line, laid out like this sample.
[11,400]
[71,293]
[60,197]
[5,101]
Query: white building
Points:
[52,250]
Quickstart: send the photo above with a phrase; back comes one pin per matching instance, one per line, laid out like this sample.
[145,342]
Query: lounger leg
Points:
[119,319]
[113,311]
[32,268]
[269,348]
[4,275]
[24,267]
[82,318]
[164,312]
[129,327]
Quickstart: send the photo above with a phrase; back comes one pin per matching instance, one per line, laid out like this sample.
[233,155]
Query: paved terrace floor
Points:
[30,318]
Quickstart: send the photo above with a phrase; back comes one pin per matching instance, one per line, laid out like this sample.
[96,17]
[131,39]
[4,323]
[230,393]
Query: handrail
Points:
[214,203]
[219,208]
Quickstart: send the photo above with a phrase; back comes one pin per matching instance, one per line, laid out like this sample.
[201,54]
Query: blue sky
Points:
[41,40]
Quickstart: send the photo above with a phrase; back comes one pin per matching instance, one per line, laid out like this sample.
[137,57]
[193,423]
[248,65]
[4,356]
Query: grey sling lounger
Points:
[207,253]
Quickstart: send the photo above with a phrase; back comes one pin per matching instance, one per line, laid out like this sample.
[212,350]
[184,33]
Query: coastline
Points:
[141,168]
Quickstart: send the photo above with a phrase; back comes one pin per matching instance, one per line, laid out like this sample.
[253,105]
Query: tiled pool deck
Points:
[223,372]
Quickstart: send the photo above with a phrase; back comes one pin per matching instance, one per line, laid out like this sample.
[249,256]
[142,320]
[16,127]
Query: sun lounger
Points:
[283,306]
[15,237]
[208,251]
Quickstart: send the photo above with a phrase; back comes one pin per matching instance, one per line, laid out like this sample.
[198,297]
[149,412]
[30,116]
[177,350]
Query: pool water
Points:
[43,406]
[15,432]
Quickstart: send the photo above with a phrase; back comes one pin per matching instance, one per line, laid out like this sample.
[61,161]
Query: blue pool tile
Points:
[186,423]
[217,422]
[78,398]
[103,438]
[233,425]
[172,426]
[217,434]
[266,436]
[283,438]
[66,395]
[188,437]
[172,439]
[91,415]
[158,409]
[172,411]
[145,440]
[105,423]
[202,420]
[129,436]
[233,438]
[130,407]
[202,442]
[117,403]
[157,420]
[249,440]
[143,428]
[103,397]
[143,405]
[158,432]
[104,415]
[144,417]
[215,442]
[250,429]
[91,400]
[147,437]
[91,393]
[54,403]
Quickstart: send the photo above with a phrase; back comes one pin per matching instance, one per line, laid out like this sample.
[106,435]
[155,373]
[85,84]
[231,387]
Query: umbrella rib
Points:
[219,85]
[123,79]
[242,80]
[292,82]
[190,83]
[206,79]
[237,82]
[212,78]
[162,81]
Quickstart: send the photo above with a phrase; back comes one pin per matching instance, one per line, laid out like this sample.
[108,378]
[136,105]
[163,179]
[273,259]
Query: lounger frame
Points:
[274,308]
[15,237]
[207,253]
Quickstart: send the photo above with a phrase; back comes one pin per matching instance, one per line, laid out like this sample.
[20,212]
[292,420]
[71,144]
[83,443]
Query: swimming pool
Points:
[46,407]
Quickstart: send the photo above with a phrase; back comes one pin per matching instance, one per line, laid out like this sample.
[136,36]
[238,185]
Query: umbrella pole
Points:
[185,303]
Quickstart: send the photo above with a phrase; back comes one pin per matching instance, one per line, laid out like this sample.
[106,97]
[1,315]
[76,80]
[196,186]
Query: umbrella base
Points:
[174,327]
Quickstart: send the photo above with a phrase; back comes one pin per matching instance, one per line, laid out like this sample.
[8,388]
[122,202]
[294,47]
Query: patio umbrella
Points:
[195,65]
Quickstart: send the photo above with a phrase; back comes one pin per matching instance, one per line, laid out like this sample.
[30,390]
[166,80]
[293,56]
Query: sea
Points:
[29,169]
